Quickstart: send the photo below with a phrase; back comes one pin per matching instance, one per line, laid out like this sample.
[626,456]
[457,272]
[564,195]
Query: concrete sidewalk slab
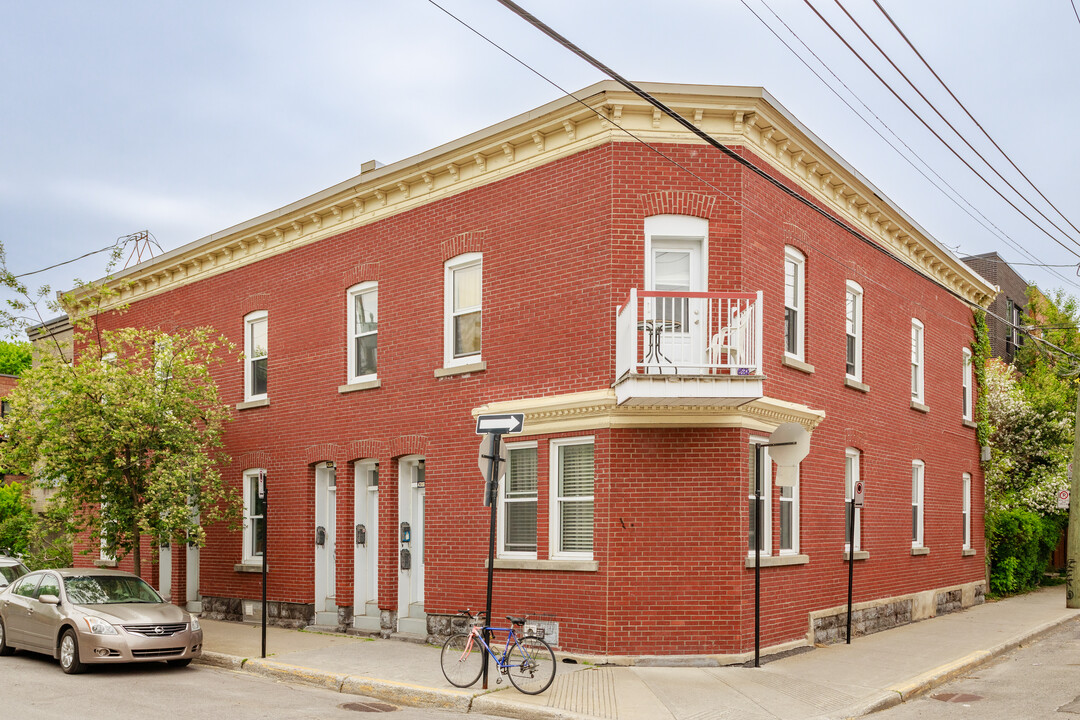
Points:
[839,681]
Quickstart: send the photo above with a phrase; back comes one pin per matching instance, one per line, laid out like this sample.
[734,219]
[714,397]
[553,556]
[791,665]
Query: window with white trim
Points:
[255,355]
[854,323]
[764,539]
[967,381]
[851,476]
[794,302]
[463,298]
[572,474]
[967,511]
[254,518]
[917,471]
[363,331]
[788,519]
[517,502]
[917,393]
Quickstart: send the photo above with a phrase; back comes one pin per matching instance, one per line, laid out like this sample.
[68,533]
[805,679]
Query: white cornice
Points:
[736,116]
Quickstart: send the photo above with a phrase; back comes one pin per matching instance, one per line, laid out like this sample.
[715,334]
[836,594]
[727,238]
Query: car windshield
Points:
[9,573]
[107,589]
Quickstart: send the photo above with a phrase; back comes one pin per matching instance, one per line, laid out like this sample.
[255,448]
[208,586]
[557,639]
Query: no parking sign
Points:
[1063,500]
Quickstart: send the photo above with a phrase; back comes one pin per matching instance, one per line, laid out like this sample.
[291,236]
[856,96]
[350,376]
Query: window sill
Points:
[920,551]
[461,369]
[778,560]
[970,424]
[859,555]
[366,385]
[563,565]
[106,563]
[916,405]
[797,364]
[856,385]
[247,405]
[248,567]
[967,552]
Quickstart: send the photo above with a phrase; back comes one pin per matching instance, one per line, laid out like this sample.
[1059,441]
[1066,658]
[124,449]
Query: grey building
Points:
[1010,302]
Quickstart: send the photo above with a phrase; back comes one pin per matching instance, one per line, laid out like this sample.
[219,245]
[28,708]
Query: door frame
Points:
[365,557]
[325,555]
[411,510]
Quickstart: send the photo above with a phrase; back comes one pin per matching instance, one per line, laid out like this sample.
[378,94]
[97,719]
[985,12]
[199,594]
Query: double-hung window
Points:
[255,355]
[967,511]
[917,484]
[851,476]
[464,294]
[854,322]
[572,475]
[762,539]
[917,390]
[363,331]
[254,518]
[967,407]
[517,495]
[794,302]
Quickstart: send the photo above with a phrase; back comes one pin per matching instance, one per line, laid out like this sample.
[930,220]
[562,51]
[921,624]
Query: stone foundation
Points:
[282,614]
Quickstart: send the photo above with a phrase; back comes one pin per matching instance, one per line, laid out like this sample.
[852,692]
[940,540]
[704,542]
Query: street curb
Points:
[942,674]
[492,705]
[221,660]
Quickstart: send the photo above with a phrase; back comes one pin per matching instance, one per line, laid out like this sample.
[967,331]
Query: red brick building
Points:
[653,310]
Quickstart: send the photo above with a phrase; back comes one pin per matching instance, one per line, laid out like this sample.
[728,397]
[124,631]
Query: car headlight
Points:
[195,624]
[99,627]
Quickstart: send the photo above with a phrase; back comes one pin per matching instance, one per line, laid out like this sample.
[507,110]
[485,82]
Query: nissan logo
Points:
[159,630]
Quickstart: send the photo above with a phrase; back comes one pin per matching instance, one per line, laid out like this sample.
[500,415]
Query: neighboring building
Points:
[7,384]
[1010,304]
[52,336]
[653,325]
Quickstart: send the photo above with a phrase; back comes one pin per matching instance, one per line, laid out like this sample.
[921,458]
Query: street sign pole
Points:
[493,498]
[857,489]
[266,543]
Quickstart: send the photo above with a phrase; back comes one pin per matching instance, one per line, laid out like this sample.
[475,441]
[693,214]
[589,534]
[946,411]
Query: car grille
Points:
[158,652]
[154,631]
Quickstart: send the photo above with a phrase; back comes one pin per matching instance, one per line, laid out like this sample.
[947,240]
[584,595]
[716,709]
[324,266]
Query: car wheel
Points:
[69,653]
[183,662]
[5,649]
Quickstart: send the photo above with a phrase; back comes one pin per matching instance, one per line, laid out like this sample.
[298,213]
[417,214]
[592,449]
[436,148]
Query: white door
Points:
[676,326]
[191,590]
[325,541]
[411,617]
[165,571]
[366,551]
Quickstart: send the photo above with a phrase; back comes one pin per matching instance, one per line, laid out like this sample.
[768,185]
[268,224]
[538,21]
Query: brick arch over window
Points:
[259,301]
[319,453]
[462,243]
[366,449]
[674,202]
[254,459]
[364,272]
[408,445]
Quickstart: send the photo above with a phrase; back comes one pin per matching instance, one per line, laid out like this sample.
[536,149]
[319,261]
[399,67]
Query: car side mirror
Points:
[49,599]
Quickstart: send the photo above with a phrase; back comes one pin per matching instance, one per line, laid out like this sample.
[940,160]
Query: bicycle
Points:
[527,660]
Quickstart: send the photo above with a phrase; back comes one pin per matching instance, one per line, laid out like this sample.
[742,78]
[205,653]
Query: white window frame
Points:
[918,502]
[364,288]
[918,361]
[249,321]
[453,265]
[793,500]
[793,256]
[249,554]
[852,459]
[967,510]
[766,499]
[501,551]
[969,397]
[853,315]
[555,500]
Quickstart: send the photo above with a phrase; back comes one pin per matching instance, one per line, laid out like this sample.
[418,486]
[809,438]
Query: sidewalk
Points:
[839,681]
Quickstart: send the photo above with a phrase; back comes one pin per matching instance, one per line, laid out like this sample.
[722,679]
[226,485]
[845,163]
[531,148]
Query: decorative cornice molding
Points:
[745,117]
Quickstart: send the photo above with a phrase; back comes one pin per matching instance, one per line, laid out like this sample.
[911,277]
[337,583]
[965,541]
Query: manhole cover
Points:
[956,697]
[368,707]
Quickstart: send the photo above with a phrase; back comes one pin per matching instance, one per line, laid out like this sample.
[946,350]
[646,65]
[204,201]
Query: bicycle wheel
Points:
[462,661]
[531,665]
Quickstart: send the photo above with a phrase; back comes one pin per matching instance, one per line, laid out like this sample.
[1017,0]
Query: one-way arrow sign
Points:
[499,424]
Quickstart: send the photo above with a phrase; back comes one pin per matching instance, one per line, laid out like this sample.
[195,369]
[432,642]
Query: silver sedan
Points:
[90,615]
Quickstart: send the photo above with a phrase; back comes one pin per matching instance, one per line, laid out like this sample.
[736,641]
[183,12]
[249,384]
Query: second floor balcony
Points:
[688,348]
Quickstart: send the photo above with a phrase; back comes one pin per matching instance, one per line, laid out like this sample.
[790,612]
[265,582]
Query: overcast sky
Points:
[183,118]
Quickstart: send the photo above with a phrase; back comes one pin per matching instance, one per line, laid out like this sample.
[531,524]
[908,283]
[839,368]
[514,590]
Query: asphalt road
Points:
[1038,680]
[34,686]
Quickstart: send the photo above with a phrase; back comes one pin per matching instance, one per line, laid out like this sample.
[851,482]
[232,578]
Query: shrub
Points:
[1020,545]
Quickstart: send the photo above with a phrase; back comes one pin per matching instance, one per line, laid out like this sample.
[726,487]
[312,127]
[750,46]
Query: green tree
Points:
[16,519]
[131,433]
[14,357]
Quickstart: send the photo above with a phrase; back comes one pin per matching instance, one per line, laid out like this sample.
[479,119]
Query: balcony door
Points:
[674,330]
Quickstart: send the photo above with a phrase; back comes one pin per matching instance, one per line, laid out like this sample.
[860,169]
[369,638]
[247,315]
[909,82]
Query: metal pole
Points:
[266,545]
[757,555]
[1072,542]
[851,562]
[493,498]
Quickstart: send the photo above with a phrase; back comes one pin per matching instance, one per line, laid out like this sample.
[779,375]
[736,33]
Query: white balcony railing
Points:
[691,335]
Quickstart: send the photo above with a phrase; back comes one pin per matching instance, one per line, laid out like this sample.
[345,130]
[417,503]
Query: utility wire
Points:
[949,147]
[964,108]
